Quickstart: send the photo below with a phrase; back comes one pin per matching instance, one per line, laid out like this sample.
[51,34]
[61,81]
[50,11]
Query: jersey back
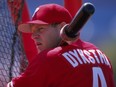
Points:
[80,65]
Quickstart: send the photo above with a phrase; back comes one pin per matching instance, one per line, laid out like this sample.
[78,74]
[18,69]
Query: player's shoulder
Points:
[46,57]
[89,45]
[84,44]
[49,53]
[53,52]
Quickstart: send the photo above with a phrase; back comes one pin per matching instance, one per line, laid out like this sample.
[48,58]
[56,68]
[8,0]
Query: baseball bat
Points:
[69,32]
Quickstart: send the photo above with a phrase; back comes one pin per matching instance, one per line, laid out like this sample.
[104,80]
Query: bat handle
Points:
[70,31]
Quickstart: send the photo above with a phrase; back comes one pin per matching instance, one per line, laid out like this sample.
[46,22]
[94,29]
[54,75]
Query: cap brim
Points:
[26,26]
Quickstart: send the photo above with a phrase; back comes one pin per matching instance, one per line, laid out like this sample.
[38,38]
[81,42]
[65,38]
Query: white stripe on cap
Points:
[35,11]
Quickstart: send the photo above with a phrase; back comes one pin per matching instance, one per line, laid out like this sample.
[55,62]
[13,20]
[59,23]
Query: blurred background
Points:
[100,29]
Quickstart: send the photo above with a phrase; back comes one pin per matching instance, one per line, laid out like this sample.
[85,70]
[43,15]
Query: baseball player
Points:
[59,63]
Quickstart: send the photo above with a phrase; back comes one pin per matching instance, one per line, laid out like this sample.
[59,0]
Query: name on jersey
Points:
[78,56]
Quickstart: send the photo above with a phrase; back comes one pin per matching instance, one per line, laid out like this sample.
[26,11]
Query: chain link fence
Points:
[12,58]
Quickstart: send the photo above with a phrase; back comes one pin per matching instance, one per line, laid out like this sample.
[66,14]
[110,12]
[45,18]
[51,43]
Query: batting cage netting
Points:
[12,56]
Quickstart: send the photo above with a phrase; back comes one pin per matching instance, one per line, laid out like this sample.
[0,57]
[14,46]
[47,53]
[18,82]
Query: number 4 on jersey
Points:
[98,74]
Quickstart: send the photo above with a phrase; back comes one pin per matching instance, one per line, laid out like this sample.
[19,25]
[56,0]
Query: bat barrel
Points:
[81,17]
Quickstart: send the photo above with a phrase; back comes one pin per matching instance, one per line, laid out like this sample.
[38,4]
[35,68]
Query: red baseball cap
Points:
[47,14]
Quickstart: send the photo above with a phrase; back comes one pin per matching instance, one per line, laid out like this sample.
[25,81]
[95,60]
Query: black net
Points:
[12,58]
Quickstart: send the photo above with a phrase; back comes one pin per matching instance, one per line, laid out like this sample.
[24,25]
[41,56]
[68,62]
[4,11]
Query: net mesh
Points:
[12,57]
